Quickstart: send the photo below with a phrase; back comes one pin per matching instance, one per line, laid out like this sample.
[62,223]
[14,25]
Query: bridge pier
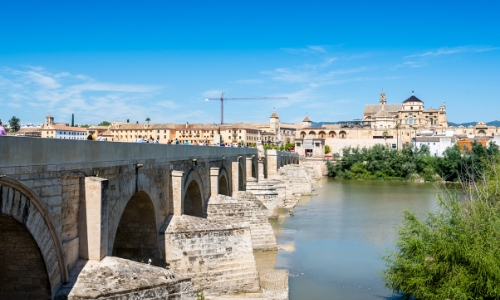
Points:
[93,221]
[177,192]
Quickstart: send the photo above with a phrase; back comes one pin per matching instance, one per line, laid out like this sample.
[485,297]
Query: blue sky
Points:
[118,60]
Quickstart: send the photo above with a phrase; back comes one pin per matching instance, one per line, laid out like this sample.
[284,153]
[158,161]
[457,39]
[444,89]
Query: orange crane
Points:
[222,99]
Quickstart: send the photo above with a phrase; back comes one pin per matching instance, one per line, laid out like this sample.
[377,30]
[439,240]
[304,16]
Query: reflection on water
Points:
[340,234]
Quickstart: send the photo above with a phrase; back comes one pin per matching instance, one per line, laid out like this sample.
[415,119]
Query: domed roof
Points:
[274,115]
[412,99]
[306,119]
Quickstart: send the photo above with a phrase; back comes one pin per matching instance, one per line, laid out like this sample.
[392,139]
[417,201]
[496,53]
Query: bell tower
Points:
[382,98]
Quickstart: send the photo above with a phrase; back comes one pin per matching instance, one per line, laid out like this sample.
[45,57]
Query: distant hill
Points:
[492,123]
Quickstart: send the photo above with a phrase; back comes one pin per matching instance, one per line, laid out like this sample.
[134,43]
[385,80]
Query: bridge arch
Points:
[193,201]
[223,182]
[137,236]
[24,218]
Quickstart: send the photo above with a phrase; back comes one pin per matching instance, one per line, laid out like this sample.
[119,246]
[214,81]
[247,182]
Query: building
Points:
[409,114]
[61,130]
[129,132]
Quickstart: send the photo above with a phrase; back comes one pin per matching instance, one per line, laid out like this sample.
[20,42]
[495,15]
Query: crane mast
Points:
[222,99]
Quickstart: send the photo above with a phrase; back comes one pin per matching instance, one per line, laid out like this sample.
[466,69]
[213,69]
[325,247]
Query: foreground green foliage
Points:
[380,162]
[455,253]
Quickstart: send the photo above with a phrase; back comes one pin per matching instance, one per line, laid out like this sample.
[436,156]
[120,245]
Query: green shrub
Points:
[454,253]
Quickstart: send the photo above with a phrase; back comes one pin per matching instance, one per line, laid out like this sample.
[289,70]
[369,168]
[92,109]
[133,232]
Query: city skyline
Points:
[119,61]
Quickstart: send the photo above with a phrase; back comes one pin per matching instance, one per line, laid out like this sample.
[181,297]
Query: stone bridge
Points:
[64,201]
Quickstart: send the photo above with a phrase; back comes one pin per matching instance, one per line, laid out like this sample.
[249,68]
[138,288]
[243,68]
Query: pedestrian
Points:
[176,141]
[100,138]
[151,140]
[90,137]
[157,140]
[139,139]
[2,129]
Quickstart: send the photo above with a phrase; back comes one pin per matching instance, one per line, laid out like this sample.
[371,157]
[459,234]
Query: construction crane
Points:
[222,99]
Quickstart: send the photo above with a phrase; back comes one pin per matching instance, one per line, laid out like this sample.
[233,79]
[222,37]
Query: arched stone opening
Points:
[481,132]
[22,268]
[223,187]
[136,237]
[342,134]
[24,217]
[322,134]
[193,202]
[312,133]
[302,134]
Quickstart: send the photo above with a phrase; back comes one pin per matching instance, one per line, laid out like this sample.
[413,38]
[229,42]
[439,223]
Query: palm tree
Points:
[385,134]
[147,120]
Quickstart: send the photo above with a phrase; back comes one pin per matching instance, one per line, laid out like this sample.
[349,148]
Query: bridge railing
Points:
[25,151]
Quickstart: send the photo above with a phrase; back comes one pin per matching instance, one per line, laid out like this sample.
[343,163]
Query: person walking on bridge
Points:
[2,129]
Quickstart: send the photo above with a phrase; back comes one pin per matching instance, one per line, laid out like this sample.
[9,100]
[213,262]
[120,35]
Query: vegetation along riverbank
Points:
[455,252]
[410,163]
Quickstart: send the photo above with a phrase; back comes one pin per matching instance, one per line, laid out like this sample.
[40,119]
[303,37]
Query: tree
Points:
[147,120]
[385,134]
[15,123]
[454,253]
[104,123]
[327,149]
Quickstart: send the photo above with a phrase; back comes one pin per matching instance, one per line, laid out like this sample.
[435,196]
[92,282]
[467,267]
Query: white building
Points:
[437,144]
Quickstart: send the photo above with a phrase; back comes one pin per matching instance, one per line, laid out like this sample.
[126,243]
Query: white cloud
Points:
[212,94]
[113,87]
[454,50]
[38,91]
[307,50]
[250,81]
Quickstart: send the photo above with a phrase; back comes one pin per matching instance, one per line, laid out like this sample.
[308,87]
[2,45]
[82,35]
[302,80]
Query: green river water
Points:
[340,234]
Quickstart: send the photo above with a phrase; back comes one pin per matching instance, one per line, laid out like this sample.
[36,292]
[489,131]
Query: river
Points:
[340,234]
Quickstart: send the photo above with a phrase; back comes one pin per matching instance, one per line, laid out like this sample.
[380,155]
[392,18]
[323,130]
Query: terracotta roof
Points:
[274,115]
[412,99]
[49,116]
[306,119]
[382,113]
[375,108]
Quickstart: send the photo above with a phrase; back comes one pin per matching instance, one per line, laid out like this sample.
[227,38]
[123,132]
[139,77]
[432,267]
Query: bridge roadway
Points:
[64,200]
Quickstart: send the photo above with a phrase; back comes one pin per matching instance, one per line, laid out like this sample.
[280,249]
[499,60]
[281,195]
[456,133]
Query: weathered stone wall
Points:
[244,207]
[218,257]
[269,193]
[22,269]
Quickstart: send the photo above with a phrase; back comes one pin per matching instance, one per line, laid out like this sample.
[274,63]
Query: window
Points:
[411,108]
[240,136]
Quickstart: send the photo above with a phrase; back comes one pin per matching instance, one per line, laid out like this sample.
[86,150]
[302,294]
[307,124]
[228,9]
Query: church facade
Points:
[411,113]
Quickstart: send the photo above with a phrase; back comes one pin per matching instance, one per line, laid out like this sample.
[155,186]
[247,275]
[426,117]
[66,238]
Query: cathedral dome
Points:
[413,99]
